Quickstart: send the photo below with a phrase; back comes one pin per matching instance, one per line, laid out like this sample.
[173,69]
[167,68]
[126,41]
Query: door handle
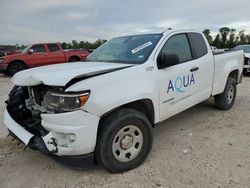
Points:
[194,69]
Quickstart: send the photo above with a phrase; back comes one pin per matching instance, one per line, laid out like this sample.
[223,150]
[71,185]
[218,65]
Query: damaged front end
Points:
[50,120]
[24,106]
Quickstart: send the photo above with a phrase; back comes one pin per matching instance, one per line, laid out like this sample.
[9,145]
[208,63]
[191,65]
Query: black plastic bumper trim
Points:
[76,161]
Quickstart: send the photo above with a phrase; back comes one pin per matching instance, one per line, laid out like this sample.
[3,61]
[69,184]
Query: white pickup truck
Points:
[103,110]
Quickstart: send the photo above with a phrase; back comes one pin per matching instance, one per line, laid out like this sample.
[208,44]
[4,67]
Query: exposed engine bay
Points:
[24,106]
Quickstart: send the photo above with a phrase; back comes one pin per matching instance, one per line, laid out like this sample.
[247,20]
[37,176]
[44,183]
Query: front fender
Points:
[115,89]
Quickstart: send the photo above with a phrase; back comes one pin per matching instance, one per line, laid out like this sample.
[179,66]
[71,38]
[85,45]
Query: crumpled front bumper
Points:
[15,128]
[72,135]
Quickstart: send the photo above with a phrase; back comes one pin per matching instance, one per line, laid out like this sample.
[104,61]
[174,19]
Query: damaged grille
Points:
[21,109]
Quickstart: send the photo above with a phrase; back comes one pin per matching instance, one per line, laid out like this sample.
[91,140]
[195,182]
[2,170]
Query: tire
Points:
[225,100]
[73,59]
[15,67]
[246,73]
[124,140]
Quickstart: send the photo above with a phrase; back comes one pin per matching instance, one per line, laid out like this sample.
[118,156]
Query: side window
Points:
[53,47]
[199,46]
[179,45]
[39,48]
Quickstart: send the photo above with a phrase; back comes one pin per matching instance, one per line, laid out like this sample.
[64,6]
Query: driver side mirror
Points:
[30,51]
[167,60]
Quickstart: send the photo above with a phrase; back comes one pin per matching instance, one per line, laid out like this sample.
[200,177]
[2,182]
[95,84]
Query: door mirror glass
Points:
[167,60]
[30,51]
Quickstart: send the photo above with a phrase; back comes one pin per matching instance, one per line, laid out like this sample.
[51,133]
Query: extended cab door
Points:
[189,82]
[55,54]
[38,57]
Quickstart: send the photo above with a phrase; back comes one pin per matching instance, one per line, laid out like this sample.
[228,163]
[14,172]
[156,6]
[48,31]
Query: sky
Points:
[31,21]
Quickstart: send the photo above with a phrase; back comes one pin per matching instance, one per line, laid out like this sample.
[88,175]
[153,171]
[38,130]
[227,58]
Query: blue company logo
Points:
[180,83]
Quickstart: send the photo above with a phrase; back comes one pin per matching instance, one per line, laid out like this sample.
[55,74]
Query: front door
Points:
[183,85]
[38,57]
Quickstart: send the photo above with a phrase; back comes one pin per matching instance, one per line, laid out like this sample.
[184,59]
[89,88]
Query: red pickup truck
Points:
[38,55]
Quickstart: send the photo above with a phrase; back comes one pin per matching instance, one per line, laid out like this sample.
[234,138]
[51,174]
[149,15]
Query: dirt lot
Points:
[201,147]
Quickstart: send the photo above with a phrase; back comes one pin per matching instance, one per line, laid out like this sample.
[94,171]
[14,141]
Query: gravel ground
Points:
[201,147]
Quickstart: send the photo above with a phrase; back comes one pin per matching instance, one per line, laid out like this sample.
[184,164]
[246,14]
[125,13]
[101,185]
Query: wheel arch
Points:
[235,75]
[144,106]
[14,61]
[74,57]
[220,83]
[17,60]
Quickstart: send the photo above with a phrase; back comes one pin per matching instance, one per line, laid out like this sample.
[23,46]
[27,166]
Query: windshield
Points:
[25,49]
[246,49]
[130,49]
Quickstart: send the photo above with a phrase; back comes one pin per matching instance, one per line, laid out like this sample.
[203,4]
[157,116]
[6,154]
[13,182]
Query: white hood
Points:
[61,74]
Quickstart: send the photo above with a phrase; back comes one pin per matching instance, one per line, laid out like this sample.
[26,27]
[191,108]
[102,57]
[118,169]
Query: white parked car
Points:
[103,110]
[216,50]
[246,49]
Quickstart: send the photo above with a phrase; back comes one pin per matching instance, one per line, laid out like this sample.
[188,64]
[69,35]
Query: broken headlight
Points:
[65,102]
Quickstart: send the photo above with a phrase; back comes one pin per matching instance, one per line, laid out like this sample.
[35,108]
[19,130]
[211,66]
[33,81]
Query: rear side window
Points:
[198,45]
[38,48]
[179,45]
[53,47]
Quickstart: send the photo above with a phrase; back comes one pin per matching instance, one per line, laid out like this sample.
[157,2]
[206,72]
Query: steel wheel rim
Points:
[127,143]
[230,94]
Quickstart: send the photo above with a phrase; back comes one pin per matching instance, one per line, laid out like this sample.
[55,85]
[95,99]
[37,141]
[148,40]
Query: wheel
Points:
[226,99]
[124,140]
[15,67]
[74,59]
[246,73]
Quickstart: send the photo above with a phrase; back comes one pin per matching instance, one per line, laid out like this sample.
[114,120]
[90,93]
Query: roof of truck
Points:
[155,31]
[170,30]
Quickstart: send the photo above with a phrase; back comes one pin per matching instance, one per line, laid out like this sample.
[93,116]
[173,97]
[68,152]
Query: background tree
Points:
[207,33]
[217,41]
[231,41]
[98,43]
[64,45]
[81,44]
[242,37]
[224,31]
[248,39]
[75,45]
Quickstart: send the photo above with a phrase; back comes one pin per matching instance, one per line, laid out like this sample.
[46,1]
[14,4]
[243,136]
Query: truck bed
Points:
[223,62]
